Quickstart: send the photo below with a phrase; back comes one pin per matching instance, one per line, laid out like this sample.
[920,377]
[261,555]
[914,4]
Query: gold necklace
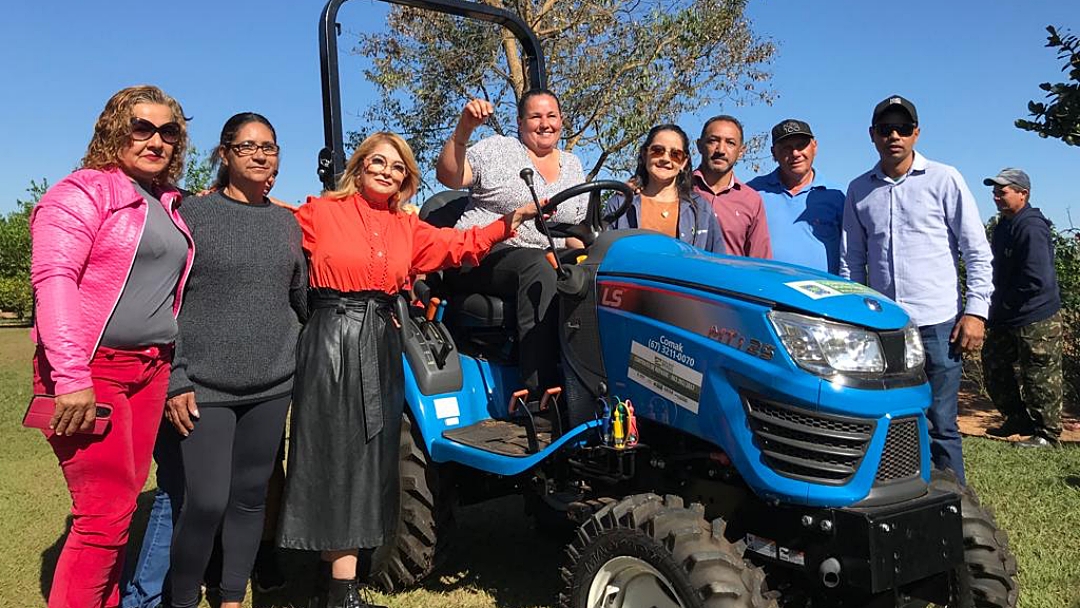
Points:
[664,213]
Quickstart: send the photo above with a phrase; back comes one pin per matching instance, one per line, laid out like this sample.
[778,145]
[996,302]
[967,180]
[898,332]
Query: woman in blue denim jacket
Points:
[665,201]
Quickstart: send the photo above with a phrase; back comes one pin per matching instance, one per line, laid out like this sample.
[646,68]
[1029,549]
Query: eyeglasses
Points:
[903,129]
[657,151]
[248,148]
[142,130]
[376,163]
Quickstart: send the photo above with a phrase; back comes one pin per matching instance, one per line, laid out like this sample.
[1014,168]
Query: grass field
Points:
[500,560]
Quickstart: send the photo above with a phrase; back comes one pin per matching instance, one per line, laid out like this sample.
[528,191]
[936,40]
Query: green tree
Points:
[1059,117]
[198,170]
[15,293]
[618,68]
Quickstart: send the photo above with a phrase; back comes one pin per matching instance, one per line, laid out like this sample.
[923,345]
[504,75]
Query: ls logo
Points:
[611,296]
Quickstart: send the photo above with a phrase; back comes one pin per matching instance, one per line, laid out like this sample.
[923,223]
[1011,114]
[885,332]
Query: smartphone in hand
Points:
[42,407]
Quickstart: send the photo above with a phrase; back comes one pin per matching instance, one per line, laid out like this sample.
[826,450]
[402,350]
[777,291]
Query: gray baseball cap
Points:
[1010,177]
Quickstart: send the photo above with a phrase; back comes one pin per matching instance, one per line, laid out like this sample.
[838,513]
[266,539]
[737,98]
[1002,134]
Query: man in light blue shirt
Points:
[804,212]
[906,222]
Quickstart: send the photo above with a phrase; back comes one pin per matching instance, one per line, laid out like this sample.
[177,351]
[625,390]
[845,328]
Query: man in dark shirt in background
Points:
[1024,327]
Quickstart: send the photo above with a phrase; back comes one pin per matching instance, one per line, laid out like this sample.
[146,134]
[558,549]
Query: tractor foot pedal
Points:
[504,437]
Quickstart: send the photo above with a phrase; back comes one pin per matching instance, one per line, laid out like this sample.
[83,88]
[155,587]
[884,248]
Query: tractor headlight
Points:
[914,355]
[826,347]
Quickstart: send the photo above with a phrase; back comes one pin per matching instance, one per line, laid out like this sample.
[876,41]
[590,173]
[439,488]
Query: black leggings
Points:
[524,274]
[228,459]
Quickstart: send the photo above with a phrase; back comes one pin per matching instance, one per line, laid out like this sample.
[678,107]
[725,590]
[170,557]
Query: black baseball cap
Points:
[789,127]
[895,101]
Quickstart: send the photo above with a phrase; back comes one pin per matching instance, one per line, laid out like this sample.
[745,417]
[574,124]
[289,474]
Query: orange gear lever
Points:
[432,306]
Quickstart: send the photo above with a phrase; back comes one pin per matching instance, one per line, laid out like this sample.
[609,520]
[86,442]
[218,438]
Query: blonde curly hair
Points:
[112,132]
[346,185]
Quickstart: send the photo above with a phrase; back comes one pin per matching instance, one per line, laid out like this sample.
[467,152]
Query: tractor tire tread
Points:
[710,567]
[990,563]
[425,523]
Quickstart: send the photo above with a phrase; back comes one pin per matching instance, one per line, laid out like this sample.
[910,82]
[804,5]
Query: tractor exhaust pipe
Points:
[830,572]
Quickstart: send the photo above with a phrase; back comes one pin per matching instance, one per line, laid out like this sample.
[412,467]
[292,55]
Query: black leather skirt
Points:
[341,489]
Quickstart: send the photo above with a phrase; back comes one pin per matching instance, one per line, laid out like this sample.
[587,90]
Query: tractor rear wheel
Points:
[647,551]
[418,543]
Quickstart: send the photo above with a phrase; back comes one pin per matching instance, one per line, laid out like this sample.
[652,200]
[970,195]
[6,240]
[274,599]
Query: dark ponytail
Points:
[228,133]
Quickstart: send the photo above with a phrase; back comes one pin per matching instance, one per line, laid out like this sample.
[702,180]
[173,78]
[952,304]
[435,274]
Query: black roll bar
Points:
[332,157]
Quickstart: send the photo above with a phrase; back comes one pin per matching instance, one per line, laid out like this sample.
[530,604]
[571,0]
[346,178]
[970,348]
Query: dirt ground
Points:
[977,414]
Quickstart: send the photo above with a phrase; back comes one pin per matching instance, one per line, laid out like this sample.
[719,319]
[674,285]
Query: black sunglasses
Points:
[903,129]
[142,130]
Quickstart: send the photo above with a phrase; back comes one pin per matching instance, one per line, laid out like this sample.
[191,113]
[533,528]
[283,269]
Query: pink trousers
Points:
[106,473]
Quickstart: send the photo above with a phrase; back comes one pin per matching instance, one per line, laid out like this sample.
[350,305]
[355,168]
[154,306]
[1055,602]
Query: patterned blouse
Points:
[497,188]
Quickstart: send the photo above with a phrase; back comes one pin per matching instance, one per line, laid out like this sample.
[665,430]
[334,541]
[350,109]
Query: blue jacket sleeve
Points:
[714,241]
[611,206]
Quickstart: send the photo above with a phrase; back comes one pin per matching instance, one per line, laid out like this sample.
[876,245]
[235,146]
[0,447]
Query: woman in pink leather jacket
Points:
[110,257]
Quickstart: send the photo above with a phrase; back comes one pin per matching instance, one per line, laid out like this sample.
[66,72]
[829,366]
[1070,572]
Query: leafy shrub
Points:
[16,296]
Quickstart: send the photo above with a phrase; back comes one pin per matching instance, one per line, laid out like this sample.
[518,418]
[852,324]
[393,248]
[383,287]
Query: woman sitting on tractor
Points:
[665,201]
[341,492]
[491,170]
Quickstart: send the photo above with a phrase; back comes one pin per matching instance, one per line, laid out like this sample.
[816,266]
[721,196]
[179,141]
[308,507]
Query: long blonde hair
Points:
[112,132]
[346,185]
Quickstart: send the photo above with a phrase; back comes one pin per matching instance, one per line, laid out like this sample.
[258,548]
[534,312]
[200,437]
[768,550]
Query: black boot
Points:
[345,593]
[266,575]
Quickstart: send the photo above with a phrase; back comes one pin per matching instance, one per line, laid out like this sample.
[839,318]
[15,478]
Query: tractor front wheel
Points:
[647,551]
[987,579]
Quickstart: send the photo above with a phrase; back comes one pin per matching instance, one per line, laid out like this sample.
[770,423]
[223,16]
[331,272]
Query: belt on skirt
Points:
[368,302]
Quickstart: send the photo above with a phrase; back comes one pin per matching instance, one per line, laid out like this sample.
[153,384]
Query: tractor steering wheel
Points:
[595,220]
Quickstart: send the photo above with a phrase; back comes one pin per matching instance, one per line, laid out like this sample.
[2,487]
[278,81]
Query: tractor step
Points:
[505,437]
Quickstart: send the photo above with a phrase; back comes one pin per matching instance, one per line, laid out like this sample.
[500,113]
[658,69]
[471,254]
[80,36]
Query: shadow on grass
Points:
[500,551]
[51,555]
[497,551]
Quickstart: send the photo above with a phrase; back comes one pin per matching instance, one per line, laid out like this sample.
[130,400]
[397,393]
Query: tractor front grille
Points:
[901,457]
[821,448]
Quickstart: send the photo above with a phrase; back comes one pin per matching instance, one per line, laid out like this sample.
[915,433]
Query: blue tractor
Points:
[782,451]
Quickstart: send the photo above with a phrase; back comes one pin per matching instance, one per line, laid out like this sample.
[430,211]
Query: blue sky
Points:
[969,65]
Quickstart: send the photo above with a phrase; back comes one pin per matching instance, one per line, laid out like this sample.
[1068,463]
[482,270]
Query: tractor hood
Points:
[648,255]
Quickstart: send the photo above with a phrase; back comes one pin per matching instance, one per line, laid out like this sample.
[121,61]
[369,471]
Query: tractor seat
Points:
[467,309]
[482,311]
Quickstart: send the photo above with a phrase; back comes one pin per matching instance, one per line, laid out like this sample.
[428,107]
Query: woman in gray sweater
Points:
[233,371]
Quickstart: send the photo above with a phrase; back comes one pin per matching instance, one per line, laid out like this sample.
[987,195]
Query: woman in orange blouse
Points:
[342,489]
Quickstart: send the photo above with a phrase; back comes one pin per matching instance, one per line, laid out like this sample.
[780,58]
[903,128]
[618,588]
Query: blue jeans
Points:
[943,369]
[142,585]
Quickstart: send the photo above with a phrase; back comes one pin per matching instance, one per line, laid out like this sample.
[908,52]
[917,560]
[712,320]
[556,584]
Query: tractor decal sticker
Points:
[813,289]
[816,290]
[686,311]
[446,409]
[792,556]
[752,346]
[664,375]
[761,546]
